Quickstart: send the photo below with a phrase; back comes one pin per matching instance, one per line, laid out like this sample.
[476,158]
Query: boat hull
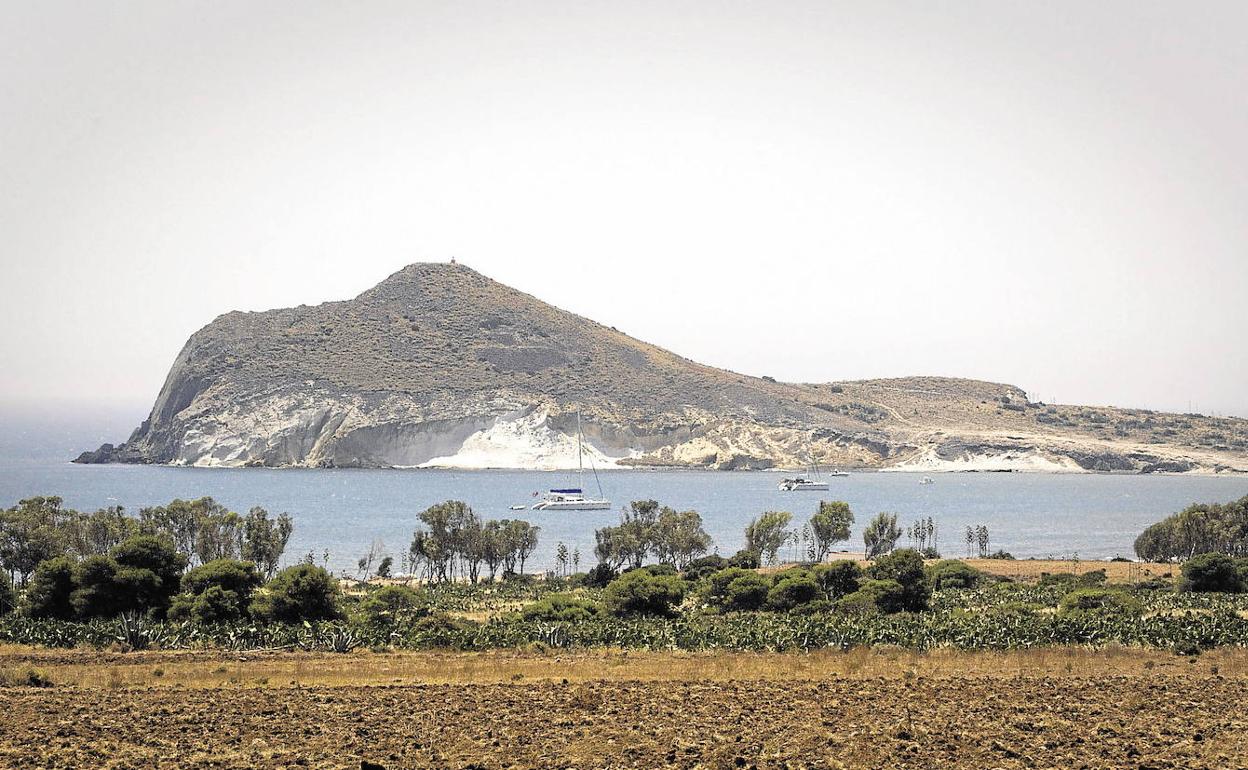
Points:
[573,505]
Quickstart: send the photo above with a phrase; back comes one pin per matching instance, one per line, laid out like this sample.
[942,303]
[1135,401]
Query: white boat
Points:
[800,484]
[926,480]
[574,499]
[839,474]
[570,500]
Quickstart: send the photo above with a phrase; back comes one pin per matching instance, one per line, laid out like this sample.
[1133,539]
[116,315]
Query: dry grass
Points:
[279,670]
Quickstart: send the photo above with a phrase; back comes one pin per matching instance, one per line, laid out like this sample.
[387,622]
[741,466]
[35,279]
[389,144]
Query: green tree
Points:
[840,578]
[146,554]
[905,566]
[265,539]
[99,593]
[95,534]
[8,595]
[678,537]
[886,596]
[50,588]
[394,605]
[792,588]
[32,532]
[829,526]
[298,593]
[881,534]
[1212,573]
[766,534]
[641,593]
[1097,602]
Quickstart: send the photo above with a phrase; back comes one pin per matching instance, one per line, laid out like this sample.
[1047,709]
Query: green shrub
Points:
[640,593]
[393,605]
[562,607]
[240,577]
[298,593]
[8,594]
[1092,579]
[952,573]
[1097,601]
[48,593]
[1210,573]
[886,596]
[97,592]
[704,567]
[600,576]
[661,569]
[1057,579]
[839,578]
[790,591]
[744,559]
[905,566]
[149,571]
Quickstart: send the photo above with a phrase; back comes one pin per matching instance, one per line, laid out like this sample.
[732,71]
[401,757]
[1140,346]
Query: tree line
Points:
[1200,528]
[455,543]
[41,528]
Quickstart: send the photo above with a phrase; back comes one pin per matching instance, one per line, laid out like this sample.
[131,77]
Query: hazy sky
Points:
[1049,194]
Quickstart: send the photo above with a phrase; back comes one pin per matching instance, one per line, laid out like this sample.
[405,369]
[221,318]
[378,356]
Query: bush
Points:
[1002,554]
[240,577]
[48,593]
[298,593]
[149,571]
[97,592]
[744,559]
[1097,601]
[840,578]
[905,566]
[8,594]
[640,593]
[952,573]
[1211,572]
[392,605]
[562,607]
[791,591]
[600,576]
[1092,579]
[886,596]
[716,592]
[704,567]
[661,569]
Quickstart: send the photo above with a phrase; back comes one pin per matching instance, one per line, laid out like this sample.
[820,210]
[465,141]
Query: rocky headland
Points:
[439,365]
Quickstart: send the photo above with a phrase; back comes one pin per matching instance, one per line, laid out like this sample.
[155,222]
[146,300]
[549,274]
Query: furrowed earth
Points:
[880,708]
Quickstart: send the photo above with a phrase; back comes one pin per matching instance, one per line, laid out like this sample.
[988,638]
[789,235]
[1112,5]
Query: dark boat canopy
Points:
[565,491]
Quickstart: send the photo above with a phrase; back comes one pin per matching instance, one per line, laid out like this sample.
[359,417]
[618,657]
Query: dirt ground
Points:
[1117,708]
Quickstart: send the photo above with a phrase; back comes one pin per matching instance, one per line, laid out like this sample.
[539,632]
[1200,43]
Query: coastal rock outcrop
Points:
[440,366]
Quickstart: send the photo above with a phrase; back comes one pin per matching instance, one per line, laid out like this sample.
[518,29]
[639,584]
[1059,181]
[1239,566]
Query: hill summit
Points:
[439,365]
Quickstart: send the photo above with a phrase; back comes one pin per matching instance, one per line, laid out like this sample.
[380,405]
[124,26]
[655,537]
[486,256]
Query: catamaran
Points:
[573,498]
[803,484]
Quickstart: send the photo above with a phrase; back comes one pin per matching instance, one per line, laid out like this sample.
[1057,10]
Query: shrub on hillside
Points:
[744,559]
[298,593]
[641,593]
[1210,573]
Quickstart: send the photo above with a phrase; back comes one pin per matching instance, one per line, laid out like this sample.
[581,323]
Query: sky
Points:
[1053,195]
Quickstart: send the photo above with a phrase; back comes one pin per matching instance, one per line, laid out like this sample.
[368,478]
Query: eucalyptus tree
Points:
[829,526]
[881,535]
[766,534]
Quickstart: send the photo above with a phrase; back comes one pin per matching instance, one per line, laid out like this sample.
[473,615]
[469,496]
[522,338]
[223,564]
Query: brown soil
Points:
[864,709]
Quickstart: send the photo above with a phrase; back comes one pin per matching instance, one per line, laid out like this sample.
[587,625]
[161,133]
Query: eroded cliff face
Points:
[440,366]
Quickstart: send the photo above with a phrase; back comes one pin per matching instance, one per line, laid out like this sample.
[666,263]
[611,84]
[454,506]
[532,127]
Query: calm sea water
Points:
[343,510]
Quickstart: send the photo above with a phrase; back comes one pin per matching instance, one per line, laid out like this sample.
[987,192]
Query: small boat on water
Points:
[573,498]
[517,507]
[926,480]
[800,484]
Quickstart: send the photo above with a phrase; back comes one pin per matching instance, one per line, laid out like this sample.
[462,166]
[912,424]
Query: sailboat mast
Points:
[580,466]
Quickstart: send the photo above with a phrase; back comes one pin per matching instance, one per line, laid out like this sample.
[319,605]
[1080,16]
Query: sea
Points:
[345,511]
